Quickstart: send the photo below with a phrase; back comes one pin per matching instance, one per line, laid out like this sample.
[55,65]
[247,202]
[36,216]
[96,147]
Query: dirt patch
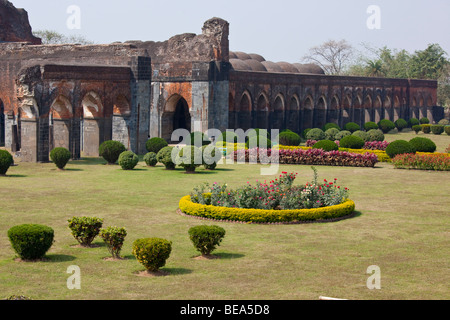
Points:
[207,257]
[91,246]
[35,260]
[114,259]
[152,274]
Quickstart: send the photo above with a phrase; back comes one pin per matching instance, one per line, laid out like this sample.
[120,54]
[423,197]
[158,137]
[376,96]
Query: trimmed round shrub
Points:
[114,238]
[352,142]
[189,158]
[444,122]
[155,144]
[352,127]
[259,142]
[401,124]
[326,145]
[426,128]
[206,238]
[85,229]
[6,160]
[211,155]
[413,122]
[417,128]
[437,129]
[164,156]
[305,132]
[150,159]
[110,150]
[199,139]
[229,136]
[447,130]
[331,133]
[370,125]
[399,147]
[342,134]
[386,125]
[152,253]
[287,138]
[331,125]
[259,132]
[424,120]
[60,157]
[375,135]
[128,160]
[31,241]
[316,134]
[423,144]
[361,134]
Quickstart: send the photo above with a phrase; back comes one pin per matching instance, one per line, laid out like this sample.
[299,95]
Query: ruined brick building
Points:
[76,96]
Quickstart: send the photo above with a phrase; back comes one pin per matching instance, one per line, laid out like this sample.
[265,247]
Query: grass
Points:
[402,227]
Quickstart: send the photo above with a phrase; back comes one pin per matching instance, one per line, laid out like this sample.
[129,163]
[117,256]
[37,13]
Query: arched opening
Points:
[367,108]
[27,130]
[120,126]
[277,114]
[422,108]
[320,113]
[91,125]
[307,119]
[377,109]
[346,109]
[262,113]
[429,108]
[387,108]
[396,109]
[358,110]
[244,114]
[176,115]
[293,114]
[2,124]
[59,123]
[333,112]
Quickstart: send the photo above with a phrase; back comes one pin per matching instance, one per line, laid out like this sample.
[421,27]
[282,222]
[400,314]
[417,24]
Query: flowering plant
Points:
[376,145]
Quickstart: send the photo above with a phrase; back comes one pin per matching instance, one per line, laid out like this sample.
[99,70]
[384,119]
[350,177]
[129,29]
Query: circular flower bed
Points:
[333,213]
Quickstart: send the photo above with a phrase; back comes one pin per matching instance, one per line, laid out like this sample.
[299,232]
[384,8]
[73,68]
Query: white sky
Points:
[279,30]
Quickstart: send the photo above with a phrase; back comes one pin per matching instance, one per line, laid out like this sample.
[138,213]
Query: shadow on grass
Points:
[59,258]
[177,271]
[13,176]
[223,169]
[72,169]
[226,255]
[88,161]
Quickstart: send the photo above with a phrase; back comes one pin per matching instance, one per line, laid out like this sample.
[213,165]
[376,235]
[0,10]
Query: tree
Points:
[54,37]
[333,56]
[429,63]
[374,68]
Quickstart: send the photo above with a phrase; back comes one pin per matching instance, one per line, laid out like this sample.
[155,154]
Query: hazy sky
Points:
[280,30]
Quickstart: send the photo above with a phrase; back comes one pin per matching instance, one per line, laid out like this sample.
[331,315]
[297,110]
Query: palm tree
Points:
[374,68]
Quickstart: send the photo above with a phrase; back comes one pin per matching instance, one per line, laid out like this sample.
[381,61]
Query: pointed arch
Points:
[262,112]
[307,112]
[277,113]
[293,114]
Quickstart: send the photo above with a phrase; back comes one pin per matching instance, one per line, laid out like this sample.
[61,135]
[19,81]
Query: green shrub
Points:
[352,127]
[361,134]
[417,128]
[305,132]
[444,122]
[229,136]
[110,150]
[426,128]
[423,144]
[114,238]
[447,130]
[424,121]
[152,253]
[386,125]
[31,241]
[6,160]
[326,145]
[189,158]
[437,129]
[399,147]
[352,142]
[375,135]
[150,159]
[331,125]
[155,144]
[370,125]
[199,139]
[206,238]
[342,134]
[413,122]
[331,133]
[211,155]
[128,160]
[258,142]
[60,157]
[401,124]
[85,229]
[316,134]
[289,139]
[259,132]
[164,156]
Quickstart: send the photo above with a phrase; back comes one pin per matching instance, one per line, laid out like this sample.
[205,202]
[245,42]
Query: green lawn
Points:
[402,226]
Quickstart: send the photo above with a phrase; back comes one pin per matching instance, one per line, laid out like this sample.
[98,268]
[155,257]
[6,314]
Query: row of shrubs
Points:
[436,162]
[418,144]
[32,241]
[436,129]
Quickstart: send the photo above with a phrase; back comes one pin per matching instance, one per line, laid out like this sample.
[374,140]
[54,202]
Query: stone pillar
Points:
[29,147]
[91,137]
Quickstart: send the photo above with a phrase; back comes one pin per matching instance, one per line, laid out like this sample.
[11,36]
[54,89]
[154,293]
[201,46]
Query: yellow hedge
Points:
[265,216]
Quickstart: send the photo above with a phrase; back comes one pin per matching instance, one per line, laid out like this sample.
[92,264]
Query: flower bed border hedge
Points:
[257,216]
